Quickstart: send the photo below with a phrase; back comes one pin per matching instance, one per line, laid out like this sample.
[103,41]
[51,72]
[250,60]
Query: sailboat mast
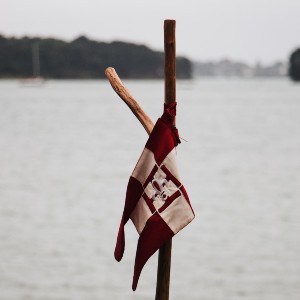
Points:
[36,59]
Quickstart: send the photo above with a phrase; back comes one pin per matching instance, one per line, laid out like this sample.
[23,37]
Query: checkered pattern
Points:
[156,201]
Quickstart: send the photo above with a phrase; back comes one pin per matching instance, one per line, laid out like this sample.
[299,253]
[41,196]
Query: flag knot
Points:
[169,118]
[169,113]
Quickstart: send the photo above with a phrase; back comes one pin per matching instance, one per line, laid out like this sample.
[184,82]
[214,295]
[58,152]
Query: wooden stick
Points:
[127,97]
[164,255]
[170,61]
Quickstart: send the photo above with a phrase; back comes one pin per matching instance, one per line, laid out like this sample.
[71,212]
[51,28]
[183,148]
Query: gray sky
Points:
[249,30]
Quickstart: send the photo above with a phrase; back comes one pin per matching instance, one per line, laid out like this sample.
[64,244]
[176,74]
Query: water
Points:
[67,150]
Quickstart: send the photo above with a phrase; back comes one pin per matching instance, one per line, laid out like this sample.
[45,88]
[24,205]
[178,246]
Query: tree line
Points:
[294,66]
[83,58]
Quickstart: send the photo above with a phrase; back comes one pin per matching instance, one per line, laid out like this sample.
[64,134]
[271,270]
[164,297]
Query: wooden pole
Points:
[164,255]
[170,61]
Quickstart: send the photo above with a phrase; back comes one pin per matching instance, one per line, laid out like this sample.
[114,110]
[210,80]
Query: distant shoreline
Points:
[83,58]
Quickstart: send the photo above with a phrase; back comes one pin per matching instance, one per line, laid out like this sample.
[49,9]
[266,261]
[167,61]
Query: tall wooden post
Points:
[164,255]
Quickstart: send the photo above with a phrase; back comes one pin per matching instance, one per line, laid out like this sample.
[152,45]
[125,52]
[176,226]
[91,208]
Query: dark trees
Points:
[83,58]
[294,67]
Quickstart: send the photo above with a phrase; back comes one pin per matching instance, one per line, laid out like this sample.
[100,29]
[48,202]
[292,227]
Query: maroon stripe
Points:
[170,200]
[171,176]
[161,141]
[149,203]
[151,175]
[133,194]
[186,197]
[155,233]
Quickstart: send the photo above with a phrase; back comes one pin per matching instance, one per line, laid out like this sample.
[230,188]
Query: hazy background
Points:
[251,31]
[67,149]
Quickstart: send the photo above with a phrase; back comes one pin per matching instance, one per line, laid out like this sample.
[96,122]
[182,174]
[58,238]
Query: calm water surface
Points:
[67,150]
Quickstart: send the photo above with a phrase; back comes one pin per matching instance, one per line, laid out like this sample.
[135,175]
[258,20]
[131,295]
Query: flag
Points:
[156,201]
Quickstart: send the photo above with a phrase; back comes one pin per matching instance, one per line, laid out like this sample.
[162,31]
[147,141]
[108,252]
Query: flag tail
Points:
[133,194]
[120,245]
[153,236]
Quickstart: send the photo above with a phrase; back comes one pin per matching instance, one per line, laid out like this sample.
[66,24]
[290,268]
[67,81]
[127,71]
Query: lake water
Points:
[67,150]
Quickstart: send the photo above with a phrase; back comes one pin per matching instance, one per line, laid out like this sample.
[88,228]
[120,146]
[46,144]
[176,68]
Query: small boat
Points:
[36,79]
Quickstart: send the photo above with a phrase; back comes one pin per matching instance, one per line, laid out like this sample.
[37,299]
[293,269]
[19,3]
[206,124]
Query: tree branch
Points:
[127,97]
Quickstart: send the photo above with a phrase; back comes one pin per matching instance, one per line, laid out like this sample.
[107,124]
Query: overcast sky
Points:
[248,30]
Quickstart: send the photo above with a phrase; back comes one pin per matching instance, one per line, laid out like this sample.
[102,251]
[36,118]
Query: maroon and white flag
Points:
[156,201]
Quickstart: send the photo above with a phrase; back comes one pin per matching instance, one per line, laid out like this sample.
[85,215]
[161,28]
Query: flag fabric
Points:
[156,201]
